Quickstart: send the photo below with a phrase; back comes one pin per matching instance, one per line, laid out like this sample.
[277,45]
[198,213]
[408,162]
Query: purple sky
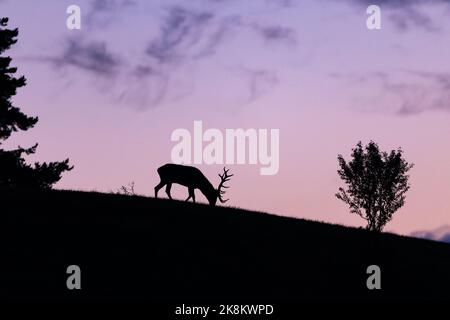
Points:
[109,95]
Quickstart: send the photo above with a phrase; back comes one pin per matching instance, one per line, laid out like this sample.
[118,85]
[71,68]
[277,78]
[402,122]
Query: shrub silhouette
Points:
[14,172]
[377,183]
[127,190]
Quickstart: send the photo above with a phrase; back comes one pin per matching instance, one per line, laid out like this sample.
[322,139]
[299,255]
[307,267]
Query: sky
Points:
[109,95]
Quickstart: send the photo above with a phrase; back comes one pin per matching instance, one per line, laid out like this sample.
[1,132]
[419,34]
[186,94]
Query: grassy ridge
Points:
[144,248]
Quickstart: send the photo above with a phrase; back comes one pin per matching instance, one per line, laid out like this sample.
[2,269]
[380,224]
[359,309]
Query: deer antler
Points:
[224,178]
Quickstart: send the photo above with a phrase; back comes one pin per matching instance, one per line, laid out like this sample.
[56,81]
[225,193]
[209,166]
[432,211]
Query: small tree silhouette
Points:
[377,183]
[14,172]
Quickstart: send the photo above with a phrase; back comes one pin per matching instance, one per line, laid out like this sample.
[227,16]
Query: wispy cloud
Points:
[400,3]
[187,35]
[412,92]
[406,18]
[435,89]
[177,40]
[440,234]
[277,3]
[103,12]
[276,34]
[93,57]
[217,36]
[282,3]
[144,87]
[429,91]
[260,81]
[182,31]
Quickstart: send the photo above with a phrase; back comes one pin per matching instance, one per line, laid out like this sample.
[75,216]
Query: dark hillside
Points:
[137,247]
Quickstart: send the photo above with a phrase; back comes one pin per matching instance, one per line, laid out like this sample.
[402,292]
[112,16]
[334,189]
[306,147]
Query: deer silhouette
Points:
[192,178]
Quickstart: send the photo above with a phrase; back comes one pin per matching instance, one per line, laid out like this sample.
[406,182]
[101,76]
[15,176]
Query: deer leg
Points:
[168,186]
[191,194]
[159,186]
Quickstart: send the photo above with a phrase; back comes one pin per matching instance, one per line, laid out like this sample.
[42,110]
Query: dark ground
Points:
[159,250]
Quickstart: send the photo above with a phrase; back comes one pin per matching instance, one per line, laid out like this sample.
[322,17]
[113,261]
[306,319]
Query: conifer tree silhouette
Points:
[15,173]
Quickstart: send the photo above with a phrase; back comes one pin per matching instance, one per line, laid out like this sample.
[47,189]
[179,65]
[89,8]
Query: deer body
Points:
[192,178]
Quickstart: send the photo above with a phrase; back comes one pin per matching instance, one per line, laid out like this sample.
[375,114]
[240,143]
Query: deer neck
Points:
[207,189]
